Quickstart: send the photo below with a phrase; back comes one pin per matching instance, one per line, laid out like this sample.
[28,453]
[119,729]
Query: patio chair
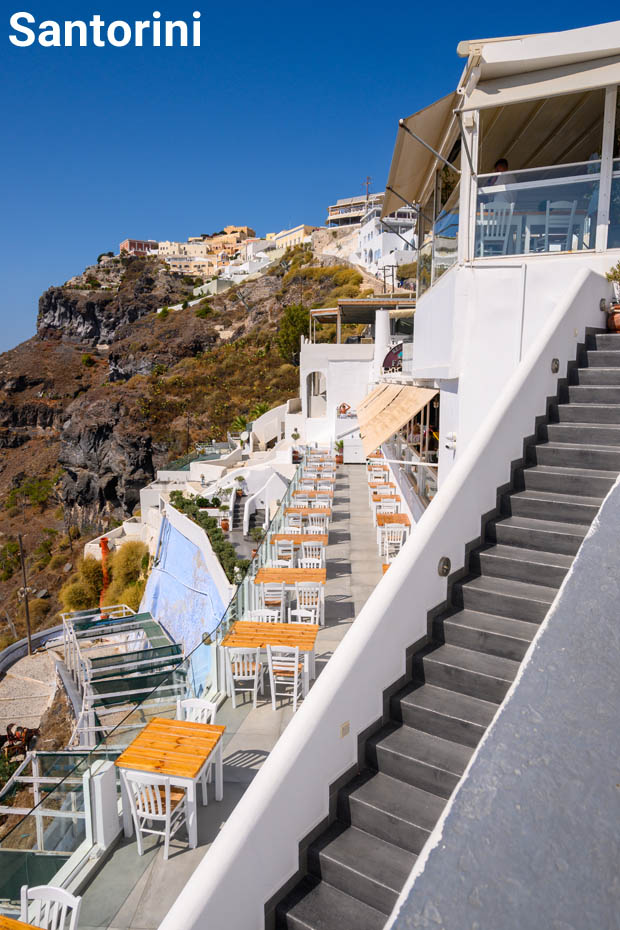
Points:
[300,500]
[322,500]
[314,530]
[310,563]
[49,907]
[494,228]
[197,710]
[319,520]
[392,542]
[309,603]
[387,507]
[324,486]
[559,223]
[313,550]
[285,673]
[154,803]
[245,672]
[273,597]
[264,616]
[285,552]
[294,528]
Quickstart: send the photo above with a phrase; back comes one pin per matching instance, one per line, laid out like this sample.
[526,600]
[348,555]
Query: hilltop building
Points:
[386,243]
[288,238]
[351,210]
[138,246]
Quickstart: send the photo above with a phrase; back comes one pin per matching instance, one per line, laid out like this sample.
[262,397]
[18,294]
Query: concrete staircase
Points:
[357,868]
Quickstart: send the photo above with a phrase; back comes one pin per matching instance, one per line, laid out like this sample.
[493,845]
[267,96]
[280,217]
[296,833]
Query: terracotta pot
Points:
[613,320]
[225,525]
[254,553]
[239,492]
[339,458]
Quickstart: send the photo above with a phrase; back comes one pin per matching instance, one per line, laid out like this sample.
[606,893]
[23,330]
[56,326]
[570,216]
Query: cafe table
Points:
[307,511]
[298,538]
[246,634]
[302,492]
[391,519]
[290,576]
[9,923]
[381,484]
[179,750]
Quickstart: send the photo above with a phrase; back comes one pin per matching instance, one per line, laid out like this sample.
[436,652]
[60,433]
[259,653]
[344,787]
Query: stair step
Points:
[532,565]
[445,713]
[362,865]
[505,597]
[576,456]
[598,376]
[583,434]
[323,907]
[588,413]
[605,340]
[476,673]
[587,481]
[498,636]
[419,758]
[391,809]
[583,393]
[553,505]
[546,535]
[603,358]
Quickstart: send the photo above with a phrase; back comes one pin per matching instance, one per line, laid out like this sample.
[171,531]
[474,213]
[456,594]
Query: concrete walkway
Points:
[135,893]
[27,689]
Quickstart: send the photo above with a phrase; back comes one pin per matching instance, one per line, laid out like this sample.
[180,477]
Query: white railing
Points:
[320,743]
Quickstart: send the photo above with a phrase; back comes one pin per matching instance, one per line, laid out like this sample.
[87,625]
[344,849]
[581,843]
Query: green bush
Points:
[126,562]
[185,305]
[57,561]
[9,559]
[87,360]
[83,588]
[294,324]
[407,271]
[34,490]
[203,311]
[164,313]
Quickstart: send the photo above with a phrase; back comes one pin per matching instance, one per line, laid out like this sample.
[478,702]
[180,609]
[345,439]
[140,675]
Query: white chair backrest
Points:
[559,221]
[285,550]
[387,507]
[495,222]
[307,595]
[292,527]
[384,491]
[301,500]
[312,530]
[149,794]
[310,563]
[264,616]
[321,501]
[284,660]
[318,519]
[313,550]
[197,710]
[324,486]
[393,535]
[242,663]
[49,907]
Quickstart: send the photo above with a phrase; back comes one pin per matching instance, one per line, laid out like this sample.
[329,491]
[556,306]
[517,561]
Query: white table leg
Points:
[219,771]
[127,818]
[305,675]
[192,815]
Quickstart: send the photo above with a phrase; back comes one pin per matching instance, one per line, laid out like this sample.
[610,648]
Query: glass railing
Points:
[445,238]
[36,848]
[613,235]
[552,209]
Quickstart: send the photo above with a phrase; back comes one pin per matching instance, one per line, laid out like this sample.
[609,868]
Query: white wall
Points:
[311,753]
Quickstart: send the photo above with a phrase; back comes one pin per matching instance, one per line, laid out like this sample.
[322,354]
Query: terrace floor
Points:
[134,893]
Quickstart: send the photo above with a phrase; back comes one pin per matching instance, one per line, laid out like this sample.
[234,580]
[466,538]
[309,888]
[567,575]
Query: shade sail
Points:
[388,418]
[548,82]
[411,161]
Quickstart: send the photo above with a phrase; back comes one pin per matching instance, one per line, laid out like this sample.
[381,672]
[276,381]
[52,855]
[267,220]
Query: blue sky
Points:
[282,109]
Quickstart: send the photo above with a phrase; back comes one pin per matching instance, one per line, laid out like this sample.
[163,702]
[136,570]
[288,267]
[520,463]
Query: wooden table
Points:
[309,493]
[245,634]
[298,538]
[181,751]
[387,519]
[306,511]
[381,484]
[8,923]
[289,576]
[328,479]
[377,498]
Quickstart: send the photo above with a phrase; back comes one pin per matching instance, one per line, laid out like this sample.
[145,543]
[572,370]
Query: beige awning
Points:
[411,161]
[403,404]
[548,82]
[374,402]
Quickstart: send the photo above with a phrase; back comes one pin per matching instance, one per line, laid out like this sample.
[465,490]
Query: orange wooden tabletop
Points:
[177,748]
[306,511]
[384,519]
[269,575]
[328,479]
[298,538]
[380,484]
[245,634]
[8,923]
[378,467]
[303,493]
[377,498]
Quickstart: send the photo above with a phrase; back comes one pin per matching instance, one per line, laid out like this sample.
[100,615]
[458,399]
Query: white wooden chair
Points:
[264,616]
[325,486]
[308,603]
[154,804]
[387,507]
[559,223]
[314,530]
[285,552]
[294,523]
[273,597]
[494,229]
[313,550]
[321,500]
[318,520]
[299,500]
[310,563]
[391,542]
[245,673]
[198,710]
[285,673]
[49,907]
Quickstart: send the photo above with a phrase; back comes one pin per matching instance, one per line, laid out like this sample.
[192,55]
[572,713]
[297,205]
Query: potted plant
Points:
[296,454]
[613,312]
[224,521]
[339,449]
[257,533]
[240,479]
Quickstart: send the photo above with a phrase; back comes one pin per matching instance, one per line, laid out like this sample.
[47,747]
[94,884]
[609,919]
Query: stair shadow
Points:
[338,610]
[338,568]
[245,759]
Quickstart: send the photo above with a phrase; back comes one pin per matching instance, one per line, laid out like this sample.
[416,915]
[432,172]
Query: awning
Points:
[389,412]
[549,82]
[374,402]
[411,161]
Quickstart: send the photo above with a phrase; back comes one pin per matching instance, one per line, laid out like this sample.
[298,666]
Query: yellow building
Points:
[287,238]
